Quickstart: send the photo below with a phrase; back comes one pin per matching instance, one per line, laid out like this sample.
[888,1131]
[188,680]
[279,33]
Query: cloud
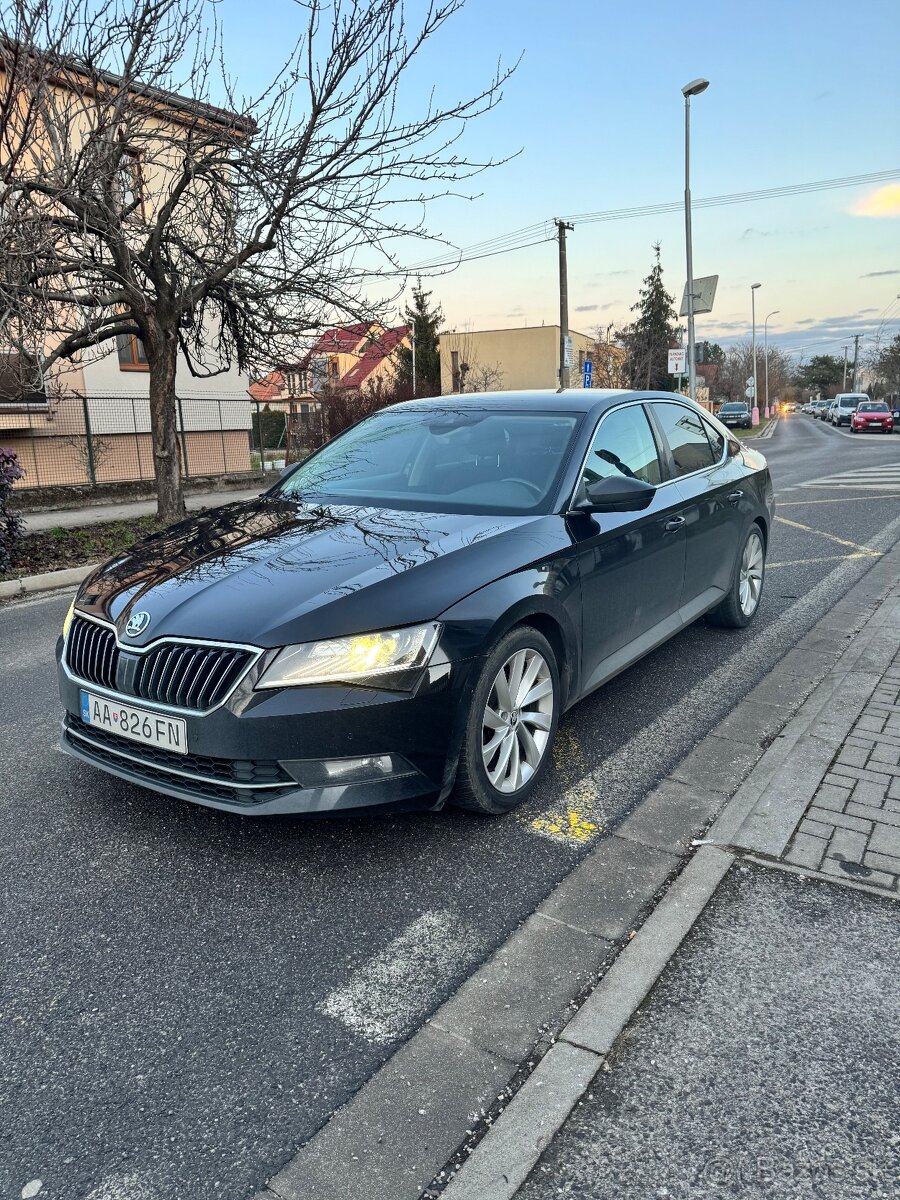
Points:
[586,307]
[878,274]
[883,202]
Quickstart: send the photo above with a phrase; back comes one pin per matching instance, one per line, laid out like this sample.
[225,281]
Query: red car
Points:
[872,417]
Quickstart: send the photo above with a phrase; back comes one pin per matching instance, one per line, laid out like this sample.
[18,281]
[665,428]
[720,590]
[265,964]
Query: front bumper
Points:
[256,754]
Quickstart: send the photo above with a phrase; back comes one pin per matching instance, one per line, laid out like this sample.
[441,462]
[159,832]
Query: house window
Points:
[334,371]
[20,379]
[131,353]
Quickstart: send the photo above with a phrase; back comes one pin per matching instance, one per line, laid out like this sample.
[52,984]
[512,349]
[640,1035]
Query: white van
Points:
[844,405]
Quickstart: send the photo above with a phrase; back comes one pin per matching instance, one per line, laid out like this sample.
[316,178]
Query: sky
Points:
[800,90]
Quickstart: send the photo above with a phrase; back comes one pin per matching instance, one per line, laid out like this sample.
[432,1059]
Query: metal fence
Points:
[84,442]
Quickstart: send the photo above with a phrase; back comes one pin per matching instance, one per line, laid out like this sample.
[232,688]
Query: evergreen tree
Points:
[425,323]
[650,335]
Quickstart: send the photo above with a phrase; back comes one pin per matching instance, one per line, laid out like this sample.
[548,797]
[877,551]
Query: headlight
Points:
[392,659]
[67,619]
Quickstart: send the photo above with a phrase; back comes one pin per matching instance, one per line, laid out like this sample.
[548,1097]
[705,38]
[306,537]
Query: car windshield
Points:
[462,460]
[727,408]
[877,408]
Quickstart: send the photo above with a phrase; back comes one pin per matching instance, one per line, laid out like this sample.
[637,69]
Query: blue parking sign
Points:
[588,373]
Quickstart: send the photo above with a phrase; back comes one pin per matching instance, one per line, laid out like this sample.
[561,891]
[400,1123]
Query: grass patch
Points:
[56,549]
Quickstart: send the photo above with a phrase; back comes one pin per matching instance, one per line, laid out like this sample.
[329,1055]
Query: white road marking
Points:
[120,1187]
[884,477]
[388,993]
[634,768]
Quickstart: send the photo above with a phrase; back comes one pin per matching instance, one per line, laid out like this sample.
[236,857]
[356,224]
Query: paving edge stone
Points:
[322,1168]
[15,589]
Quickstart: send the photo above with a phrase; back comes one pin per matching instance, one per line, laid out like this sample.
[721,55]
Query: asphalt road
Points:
[188,995]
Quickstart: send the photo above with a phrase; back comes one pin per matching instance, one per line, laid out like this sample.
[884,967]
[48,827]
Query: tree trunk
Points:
[164,430]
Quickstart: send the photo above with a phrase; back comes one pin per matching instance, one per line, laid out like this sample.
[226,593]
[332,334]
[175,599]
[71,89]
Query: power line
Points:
[521,239]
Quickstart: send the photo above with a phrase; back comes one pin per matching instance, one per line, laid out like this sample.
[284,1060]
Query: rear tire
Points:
[511,724]
[742,602]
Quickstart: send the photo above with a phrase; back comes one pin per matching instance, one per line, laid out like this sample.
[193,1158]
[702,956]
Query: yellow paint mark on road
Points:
[569,828]
[577,818]
[866,550]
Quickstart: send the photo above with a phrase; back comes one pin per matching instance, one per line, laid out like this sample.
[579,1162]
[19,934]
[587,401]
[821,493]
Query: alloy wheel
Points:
[752,562]
[518,715]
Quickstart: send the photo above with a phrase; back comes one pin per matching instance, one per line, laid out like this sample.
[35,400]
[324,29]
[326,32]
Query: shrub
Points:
[11,527]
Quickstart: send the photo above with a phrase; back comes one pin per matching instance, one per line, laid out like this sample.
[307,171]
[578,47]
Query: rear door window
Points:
[684,430]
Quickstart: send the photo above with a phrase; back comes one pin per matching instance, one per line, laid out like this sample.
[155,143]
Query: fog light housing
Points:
[337,772]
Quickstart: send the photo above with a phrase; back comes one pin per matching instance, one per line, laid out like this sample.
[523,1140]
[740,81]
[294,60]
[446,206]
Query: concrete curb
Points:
[13,589]
[479,1049]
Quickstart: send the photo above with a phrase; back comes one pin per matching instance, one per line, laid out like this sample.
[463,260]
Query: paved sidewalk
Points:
[761,1064]
[95,514]
[745,1043]
[852,827]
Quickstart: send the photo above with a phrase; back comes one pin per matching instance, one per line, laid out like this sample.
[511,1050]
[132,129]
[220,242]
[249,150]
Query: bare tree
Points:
[738,368]
[133,206]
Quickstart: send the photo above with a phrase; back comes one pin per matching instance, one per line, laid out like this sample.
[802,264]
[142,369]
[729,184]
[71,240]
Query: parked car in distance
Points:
[872,416]
[820,409]
[403,618]
[736,415]
[844,405]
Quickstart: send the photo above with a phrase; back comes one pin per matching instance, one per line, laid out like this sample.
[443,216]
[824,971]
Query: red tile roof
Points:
[381,346]
[270,387]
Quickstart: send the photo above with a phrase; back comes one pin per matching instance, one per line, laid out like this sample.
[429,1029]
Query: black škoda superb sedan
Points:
[403,617]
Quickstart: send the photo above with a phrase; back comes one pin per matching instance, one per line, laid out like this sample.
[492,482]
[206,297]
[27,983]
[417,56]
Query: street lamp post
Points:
[766,352]
[694,88]
[753,287]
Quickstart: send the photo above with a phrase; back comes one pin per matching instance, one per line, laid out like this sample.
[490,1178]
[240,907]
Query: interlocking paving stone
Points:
[885,839]
[843,820]
[806,851]
[831,796]
[848,845]
[876,815]
[884,862]
[816,828]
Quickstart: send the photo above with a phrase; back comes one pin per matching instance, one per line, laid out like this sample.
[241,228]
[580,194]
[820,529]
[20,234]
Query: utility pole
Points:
[856,337]
[844,385]
[694,88]
[561,227]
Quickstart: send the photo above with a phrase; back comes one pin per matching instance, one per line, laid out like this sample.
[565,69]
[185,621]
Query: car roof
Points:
[577,400]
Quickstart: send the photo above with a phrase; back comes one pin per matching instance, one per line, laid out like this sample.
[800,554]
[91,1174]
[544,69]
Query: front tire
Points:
[511,724]
[740,605]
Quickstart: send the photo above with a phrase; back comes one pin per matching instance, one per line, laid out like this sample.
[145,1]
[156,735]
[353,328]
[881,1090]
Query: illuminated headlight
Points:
[67,620]
[391,659]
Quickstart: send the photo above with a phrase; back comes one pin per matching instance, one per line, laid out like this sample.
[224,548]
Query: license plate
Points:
[136,724]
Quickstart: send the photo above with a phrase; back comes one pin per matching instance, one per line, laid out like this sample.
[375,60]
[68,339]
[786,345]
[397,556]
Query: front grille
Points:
[148,762]
[185,676]
[189,676]
[92,653]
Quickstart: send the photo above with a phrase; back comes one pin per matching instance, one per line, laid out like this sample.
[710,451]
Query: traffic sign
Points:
[678,361]
[588,373]
[750,390]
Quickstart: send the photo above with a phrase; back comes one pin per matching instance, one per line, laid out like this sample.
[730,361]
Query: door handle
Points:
[733,497]
[673,523]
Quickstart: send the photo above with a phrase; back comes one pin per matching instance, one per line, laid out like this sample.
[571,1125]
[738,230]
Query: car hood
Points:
[273,571]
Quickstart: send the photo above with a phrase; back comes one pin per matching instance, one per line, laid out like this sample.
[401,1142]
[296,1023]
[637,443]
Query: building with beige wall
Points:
[508,359]
[88,422]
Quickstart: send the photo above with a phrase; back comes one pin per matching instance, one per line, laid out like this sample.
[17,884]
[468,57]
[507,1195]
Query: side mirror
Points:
[734,448]
[617,493]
